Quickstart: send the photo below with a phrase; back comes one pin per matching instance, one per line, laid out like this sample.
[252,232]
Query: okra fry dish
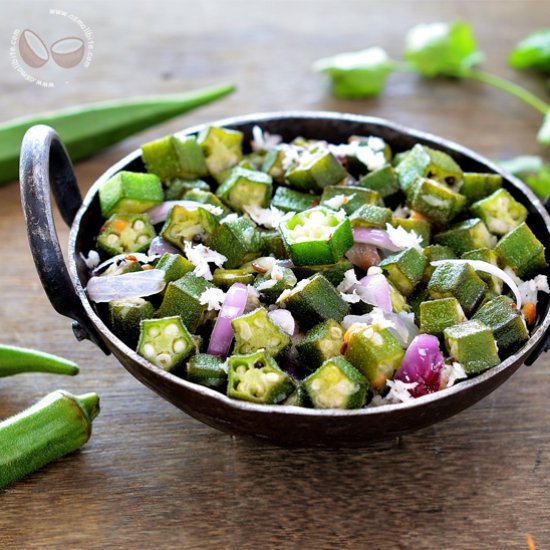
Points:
[314,274]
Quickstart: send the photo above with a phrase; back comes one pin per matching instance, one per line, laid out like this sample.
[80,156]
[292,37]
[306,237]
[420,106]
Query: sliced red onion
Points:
[486,267]
[159,213]
[284,320]
[363,255]
[379,238]
[375,290]
[233,306]
[423,363]
[160,246]
[129,285]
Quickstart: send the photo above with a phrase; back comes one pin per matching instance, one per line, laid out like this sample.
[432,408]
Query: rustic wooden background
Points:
[153,477]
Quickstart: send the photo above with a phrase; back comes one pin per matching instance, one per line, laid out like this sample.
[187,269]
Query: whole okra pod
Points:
[16,360]
[58,424]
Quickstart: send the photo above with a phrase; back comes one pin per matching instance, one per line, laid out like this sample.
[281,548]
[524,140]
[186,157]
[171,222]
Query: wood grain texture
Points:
[153,477]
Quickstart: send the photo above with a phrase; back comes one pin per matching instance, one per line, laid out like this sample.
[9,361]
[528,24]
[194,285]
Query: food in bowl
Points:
[314,274]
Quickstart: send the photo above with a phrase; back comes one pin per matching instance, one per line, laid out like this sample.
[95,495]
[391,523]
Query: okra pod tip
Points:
[16,360]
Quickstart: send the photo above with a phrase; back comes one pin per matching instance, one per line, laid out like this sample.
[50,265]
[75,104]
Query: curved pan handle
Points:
[45,165]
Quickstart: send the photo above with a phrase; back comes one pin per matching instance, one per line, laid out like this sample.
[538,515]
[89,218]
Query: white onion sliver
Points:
[284,320]
[160,246]
[128,285]
[486,267]
[377,237]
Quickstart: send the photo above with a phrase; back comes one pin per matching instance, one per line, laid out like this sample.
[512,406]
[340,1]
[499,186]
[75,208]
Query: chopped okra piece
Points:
[130,193]
[433,253]
[316,236]
[472,344]
[174,157]
[320,343]
[246,188]
[222,147]
[476,186]
[255,331]
[405,269]
[317,168]
[334,273]
[271,284]
[522,251]
[435,200]
[175,266]
[224,278]
[125,233]
[290,200]
[459,281]
[420,226]
[206,197]
[274,162]
[347,197]
[207,370]
[256,377]
[336,384]
[383,180]
[437,315]
[183,298]
[165,342]
[494,283]
[125,316]
[313,301]
[183,224]
[238,240]
[370,215]
[175,188]
[272,244]
[297,398]
[500,212]
[375,352]
[425,162]
[506,322]
[465,236]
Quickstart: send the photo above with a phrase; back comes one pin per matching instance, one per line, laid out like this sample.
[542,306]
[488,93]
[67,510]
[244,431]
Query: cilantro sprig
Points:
[432,50]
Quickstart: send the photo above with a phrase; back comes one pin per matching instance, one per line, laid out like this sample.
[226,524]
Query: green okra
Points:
[183,224]
[425,162]
[130,193]
[320,343]
[336,384]
[175,266]
[125,316]
[124,233]
[16,360]
[421,227]
[87,129]
[290,200]
[246,188]
[500,212]
[256,377]
[174,157]
[207,370]
[314,300]
[58,424]
[165,342]
[176,188]
[405,269]
[383,180]
[255,331]
[477,186]
[465,236]
[317,236]
[222,147]
[317,168]
[334,273]
[348,197]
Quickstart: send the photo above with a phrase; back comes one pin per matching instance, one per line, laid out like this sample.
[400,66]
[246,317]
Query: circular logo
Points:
[54,52]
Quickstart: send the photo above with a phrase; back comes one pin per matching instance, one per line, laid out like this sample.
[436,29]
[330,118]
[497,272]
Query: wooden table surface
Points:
[154,477]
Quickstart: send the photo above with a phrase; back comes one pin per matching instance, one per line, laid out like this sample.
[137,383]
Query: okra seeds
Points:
[313,274]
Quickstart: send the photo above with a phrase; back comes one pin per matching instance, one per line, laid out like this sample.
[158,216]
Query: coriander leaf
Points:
[532,170]
[448,49]
[543,135]
[532,52]
[357,74]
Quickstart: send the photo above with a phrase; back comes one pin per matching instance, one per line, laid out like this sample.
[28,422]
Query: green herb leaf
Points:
[447,49]
[543,135]
[357,74]
[532,52]
[532,170]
